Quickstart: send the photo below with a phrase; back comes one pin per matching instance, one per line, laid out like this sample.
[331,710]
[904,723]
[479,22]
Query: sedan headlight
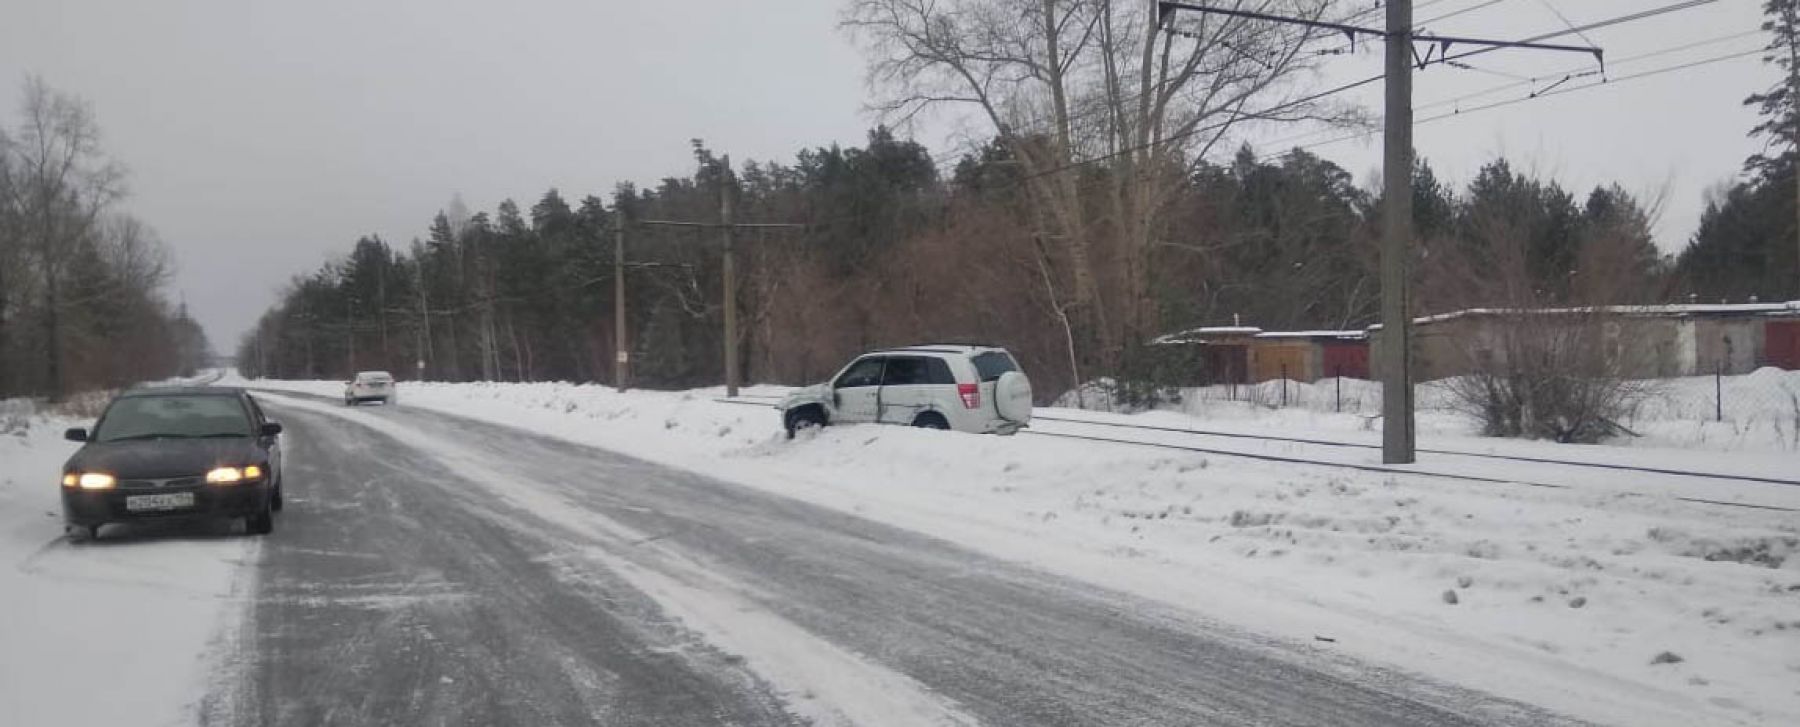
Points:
[233,475]
[89,480]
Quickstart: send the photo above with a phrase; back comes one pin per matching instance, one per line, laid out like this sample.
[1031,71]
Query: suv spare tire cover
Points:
[1012,397]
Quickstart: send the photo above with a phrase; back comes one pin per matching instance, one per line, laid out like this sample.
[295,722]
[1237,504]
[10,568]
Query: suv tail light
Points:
[971,395]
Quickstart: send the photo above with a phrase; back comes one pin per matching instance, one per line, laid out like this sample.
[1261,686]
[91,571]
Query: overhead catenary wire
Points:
[1563,75]
[1341,49]
[1464,11]
[1565,21]
[942,158]
[1309,98]
[1549,93]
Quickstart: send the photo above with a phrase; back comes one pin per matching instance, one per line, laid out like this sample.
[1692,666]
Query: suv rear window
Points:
[990,365]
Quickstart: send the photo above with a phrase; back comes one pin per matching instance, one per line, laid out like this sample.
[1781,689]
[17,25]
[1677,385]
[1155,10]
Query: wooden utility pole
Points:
[728,226]
[730,302]
[1397,432]
[621,350]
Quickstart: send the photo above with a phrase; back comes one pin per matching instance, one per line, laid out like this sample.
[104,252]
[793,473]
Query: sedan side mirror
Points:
[270,429]
[76,434]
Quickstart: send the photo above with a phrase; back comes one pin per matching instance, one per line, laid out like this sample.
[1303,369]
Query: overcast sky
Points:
[265,136]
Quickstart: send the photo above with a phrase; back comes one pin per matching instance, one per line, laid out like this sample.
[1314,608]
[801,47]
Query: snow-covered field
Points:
[1606,601]
[1755,412]
[108,633]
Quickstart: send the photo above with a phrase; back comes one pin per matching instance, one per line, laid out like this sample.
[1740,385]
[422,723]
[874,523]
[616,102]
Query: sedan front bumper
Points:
[84,508]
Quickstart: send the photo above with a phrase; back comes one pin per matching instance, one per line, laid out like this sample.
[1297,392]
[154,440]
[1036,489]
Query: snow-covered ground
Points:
[1606,601]
[1755,412]
[108,633]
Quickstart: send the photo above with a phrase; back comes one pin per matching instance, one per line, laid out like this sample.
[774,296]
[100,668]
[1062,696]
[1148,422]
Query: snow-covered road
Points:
[431,566]
[560,553]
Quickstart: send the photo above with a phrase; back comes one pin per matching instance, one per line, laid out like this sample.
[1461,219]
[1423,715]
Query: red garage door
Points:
[1781,345]
[1347,358]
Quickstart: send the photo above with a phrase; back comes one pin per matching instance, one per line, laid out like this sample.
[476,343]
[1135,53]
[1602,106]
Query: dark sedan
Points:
[206,452]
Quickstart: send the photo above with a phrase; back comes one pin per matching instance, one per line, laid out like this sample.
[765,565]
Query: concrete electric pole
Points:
[1397,425]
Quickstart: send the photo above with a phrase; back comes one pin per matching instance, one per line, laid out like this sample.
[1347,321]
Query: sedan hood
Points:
[154,458]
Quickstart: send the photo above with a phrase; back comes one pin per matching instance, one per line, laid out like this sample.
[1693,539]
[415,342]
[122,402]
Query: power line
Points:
[1565,20]
[1278,108]
[1043,122]
[1553,92]
[1560,76]
[1629,18]
[1421,6]
[1587,71]
[1448,60]
[1464,11]
[1444,41]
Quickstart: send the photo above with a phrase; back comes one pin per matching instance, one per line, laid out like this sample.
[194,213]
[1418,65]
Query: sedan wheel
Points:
[261,523]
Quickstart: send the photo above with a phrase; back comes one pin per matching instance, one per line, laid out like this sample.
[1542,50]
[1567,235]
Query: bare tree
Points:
[58,183]
[1569,369]
[1064,83]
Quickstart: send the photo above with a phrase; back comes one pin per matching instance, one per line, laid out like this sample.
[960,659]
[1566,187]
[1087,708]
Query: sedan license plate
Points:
[170,501]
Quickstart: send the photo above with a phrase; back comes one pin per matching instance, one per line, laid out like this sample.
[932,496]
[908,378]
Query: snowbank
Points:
[104,633]
[1566,599]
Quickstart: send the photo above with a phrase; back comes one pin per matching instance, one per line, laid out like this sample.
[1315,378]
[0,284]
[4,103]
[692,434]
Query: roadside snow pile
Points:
[104,633]
[1562,598]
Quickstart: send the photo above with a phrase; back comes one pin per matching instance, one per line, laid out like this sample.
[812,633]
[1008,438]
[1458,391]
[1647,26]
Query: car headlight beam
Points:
[89,480]
[225,476]
[234,475]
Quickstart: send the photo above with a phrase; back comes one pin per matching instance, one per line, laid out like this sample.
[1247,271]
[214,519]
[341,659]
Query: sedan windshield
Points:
[179,417]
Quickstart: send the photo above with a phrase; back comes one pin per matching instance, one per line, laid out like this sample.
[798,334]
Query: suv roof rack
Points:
[969,344]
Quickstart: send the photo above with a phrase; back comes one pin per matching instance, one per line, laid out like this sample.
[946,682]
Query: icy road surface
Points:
[434,570]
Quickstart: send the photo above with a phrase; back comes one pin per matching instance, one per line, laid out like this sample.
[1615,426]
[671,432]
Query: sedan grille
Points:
[152,484]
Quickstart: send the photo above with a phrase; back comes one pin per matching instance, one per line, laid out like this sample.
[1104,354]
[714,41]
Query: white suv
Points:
[370,386]
[937,386]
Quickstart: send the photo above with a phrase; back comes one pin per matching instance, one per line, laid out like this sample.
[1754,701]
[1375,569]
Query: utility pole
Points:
[728,225]
[1397,424]
[725,229]
[621,351]
[1394,350]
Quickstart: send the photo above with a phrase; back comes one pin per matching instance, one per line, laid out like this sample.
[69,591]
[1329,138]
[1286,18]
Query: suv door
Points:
[858,390]
[911,384]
